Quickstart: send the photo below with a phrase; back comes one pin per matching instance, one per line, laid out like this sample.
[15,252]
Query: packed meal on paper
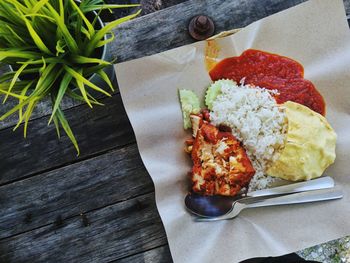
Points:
[262,121]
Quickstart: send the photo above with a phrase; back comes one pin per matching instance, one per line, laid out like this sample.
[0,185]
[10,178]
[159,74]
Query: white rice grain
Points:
[256,120]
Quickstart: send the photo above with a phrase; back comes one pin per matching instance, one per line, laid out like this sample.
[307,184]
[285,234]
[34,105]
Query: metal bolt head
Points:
[201,24]
[201,27]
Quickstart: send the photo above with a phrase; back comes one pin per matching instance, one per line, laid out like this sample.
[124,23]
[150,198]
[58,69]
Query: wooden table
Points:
[99,206]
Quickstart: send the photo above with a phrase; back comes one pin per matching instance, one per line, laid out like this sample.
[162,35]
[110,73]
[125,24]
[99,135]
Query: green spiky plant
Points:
[53,47]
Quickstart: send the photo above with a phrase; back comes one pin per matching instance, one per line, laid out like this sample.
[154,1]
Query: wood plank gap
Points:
[139,254]
[87,157]
[77,215]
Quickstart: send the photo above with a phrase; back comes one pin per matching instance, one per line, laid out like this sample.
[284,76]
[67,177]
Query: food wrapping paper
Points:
[314,33]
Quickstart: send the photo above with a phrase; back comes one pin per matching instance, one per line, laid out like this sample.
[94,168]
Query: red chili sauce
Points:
[271,71]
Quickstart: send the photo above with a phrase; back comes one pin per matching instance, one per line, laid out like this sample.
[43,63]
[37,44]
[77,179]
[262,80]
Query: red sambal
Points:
[272,72]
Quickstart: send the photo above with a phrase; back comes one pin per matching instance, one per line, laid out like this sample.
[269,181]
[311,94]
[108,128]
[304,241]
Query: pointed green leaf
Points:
[80,78]
[42,16]
[105,77]
[47,60]
[20,111]
[17,54]
[41,70]
[14,95]
[105,42]
[37,40]
[15,108]
[86,21]
[15,34]
[60,47]
[18,5]
[45,81]
[93,100]
[38,6]
[55,121]
[62,119]
[91,70]
[11,14]
[75,96]
[87,60]
[81,87]
[100,34]
[28,113]
[28,3]
[61,9]
[72,45]
[15,78]
[61,91]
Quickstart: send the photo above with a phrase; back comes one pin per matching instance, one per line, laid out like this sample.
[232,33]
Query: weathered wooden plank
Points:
[65,192]
[156,255]
[167,28]
[97,130]
[107,234]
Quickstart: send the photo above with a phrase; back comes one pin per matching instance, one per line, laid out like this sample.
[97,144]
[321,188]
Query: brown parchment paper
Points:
[314,33]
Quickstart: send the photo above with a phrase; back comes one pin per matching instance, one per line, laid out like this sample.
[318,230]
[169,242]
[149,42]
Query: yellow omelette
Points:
[309,147]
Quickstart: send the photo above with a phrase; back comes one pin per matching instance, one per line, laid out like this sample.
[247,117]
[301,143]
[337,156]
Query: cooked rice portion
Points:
[256,120]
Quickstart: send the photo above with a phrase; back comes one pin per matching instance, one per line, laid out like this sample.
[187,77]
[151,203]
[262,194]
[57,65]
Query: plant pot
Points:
[96,79]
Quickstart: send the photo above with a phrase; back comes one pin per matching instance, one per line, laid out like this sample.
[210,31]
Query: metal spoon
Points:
[213,206]
[296,198]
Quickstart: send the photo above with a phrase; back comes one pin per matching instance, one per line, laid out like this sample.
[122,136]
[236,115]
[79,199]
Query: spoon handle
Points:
[297,198]
[315,184]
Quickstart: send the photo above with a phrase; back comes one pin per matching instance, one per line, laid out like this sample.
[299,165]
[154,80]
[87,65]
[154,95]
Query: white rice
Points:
[255,120]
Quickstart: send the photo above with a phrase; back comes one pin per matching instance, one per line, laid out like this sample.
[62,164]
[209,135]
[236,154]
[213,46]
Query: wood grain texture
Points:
[156,255]
[168,28]
[97,131]
[107,234]
[65,192]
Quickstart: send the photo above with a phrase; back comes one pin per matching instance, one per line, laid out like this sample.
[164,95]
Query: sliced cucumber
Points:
[189,105]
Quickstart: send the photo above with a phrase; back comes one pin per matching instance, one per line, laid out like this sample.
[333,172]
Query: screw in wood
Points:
[201,27]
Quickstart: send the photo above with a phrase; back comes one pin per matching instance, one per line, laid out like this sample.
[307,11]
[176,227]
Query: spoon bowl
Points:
[209,206]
